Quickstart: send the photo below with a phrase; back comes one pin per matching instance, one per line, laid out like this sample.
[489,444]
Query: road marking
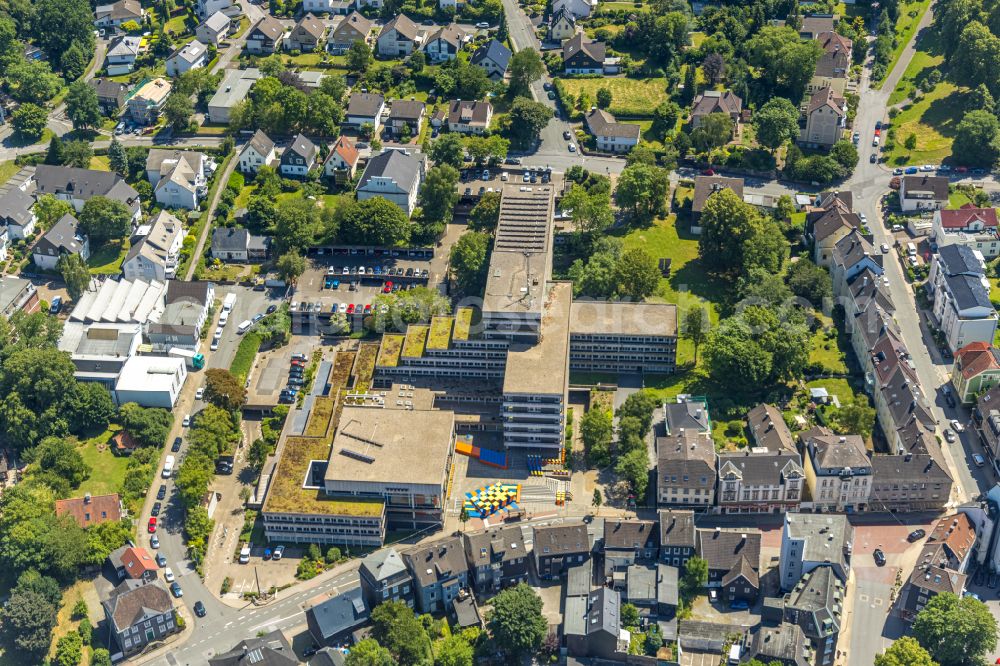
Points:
[275,622]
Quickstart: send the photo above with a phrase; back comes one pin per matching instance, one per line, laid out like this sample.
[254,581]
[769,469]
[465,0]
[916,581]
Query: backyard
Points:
[630,98]
[107,471]
[107,259]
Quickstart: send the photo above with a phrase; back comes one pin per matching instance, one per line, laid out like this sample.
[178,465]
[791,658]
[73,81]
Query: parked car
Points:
[915,535]
[162,492]
[267,553]
[155,511]
[910,170]
[187,420]
[168,575]
[199,609]
[483,25]
[199,394]
[299,356]
[885,248]
[978,459]
[873,158]
[176,446]
[957,426]
[175,588]
[154,542]
[949,436]
[278,552]
[245,553]
[879,557]
[273,308]
[161,560]
[151,526]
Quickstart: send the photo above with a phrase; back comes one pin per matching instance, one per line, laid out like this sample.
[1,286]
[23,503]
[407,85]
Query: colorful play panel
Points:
[486,456]
[486,501]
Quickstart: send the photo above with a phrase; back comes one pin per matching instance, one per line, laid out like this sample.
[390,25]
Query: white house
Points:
[192,55]
[155,249]
[121,56]
[17,214]
[611,136]
[398,37]
[214,29]
[232,244]
[64,238]
[299,157]
[923,192]
[76,186]
[961,293]
[179,178]
[814,540]
[394,175]
[151,381]
[469,117]
[206,8]
[578,8]
[113,15]
[444,43]
[493,57]
[258,151]
[365,108]
[343,158]
[975,227]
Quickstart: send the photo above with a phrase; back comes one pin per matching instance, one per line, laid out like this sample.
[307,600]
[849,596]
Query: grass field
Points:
[688,283]
[933,120]
[910,14]
[100,163]
[824,350]
[629,97]
[107,471]
[245,355]
[835,387]
[927,57]
[7,170]
[107,259]
[957,199]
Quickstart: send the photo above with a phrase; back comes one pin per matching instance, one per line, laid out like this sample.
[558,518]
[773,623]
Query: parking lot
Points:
[271,372]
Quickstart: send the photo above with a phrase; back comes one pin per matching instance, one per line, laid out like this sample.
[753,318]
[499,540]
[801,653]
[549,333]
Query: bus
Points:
[193,359]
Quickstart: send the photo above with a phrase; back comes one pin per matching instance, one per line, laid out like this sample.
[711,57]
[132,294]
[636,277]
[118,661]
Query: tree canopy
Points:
[956,631]
[516,622]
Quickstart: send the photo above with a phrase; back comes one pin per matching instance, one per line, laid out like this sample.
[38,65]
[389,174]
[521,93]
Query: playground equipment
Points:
[486,501]
[489,457]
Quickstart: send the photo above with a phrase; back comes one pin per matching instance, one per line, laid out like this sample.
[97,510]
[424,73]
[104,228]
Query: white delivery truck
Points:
[227,305]
[168,467]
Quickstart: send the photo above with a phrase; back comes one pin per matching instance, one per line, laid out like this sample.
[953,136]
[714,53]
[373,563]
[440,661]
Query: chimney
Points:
[86,498]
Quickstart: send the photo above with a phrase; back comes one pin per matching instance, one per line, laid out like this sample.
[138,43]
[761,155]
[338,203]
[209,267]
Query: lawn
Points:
[688,283]
[932,120]
[177,25]
[957,199]
[835,387]
[245,355]
[100,163]
[107,471]
[107,259]
[824,350]
[927,57]
[7,170]
[632,98]
[910,14]
[244,24]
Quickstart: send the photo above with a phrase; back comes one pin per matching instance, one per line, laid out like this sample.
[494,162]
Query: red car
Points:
[368,308]
[708,172]
[299,363]
[151,528]
[878,132]
[387,288]
[350,308]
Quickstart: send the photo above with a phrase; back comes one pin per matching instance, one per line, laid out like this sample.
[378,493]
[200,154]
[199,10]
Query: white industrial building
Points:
[99,351]
[151,381]
[121,301]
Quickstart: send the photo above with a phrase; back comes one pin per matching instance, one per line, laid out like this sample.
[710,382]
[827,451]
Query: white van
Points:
[168,467]
[223,318]
[245,553]
[911,249]
[244,326]
[734,654]
[227,305]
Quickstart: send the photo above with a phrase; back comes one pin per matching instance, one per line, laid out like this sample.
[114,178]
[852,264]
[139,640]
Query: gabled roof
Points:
[396,165]
[406,109]
[717,101]
[976,358]
[561,539]
[867,287]
[366,105]
[492,50]
[825,98]
[687,413]
[629,534]
[968,291]
[958,258]
[339,614]
[383,564]
[447,33]
[311,25]
[403,26]
[820,595]
[269,650]
[956,532]
[497,544]
[302,147]
[191,52]
[137,562]
[134,601]
[689,456]
[742,569]
[469,112]
[437,561]
[83,183]
[579,42]
[91,509]
[817,25]
[261,143]
[967,215]
[356,21]
[908,468]
[108,88]
[602,123]
[217,22]
[124,46]
[785,644]
[65,236]
[937,186]
[230,239]
[270,27]
[345,149]
[838,451]
[155,246]
[836,57]
[706,186]
[767,426]
[853,249]
[760,468]
[563,14]
[15,205]
[123,9]
[724,548]
[677,528]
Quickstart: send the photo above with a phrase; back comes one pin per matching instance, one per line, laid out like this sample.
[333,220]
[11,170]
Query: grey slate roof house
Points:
[384,577]
[768,428]
[271,649]
[678,541]
[724,551]
[686,413]
[760,481]
[334,619]
[364,108]
[234,244]
[557,547]
[784,644]
[16,213]
[592,624]
[393,175]
[497,558]
[706,186]
[139,612]
[439,571]
[76,186]
[685,469]
[816,605]
[110,94]
[64,238]
[493,57]
[299,157]
[667,591]
[629,541]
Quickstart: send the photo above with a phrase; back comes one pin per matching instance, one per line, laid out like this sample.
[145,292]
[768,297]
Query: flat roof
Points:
[374,445]
[150,373]
[621,317]
[521,260]
[235,87]
[541,367]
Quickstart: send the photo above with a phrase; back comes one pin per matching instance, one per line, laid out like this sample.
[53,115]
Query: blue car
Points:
[911,170]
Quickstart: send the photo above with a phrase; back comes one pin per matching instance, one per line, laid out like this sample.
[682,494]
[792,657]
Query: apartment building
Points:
[923,193]
[816,606]
[497,558]
[811,540]
[686,469]
[911,481]
[384,578]
[768,430]
[961,293]
[618,337]
[986,417]
[627,542]
[838,471]
[677,536]
[760,481]
[975,227]
[942,564]
[826,118]
[556,548]
[733,556]
[439,572]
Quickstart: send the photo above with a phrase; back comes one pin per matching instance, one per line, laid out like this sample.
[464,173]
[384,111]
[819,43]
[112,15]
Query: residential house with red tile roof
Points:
[976,370]
[343,159]
[941,565]
[969,225]
[91,509]
[138,563]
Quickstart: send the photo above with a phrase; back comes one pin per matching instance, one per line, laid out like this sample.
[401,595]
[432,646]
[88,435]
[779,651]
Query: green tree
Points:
[727,224]
[598,499]
[375,221]
[516,622]
[100,657]
[104,219]
[77,154]
[29,121]
[453,651]
[290,266]
[223,389]
[525,68]
[906,651]
[82,107]
[642,190]
[977,139]
[368,652]
[630,615]
[359,56]
[596,432]
[50,210]
[117,158]
[775,123]
[714,131]
[911,141]
[69,649]
[74,273]
[809,281]
[665,118]
[29,617]
[448,149]
[845,154]
[438,194]
[54,155]
[178,111]
[634,468]
[636,274]
[59,462]
[956,631]
[257,453]
[469,261]
[149,426]
[695,574]
[526,121]
[295,223]
[60,23]
[604,98]
[694,327]
[786,62]
[486,213]
[35,81]
[591,212]
[396,628]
